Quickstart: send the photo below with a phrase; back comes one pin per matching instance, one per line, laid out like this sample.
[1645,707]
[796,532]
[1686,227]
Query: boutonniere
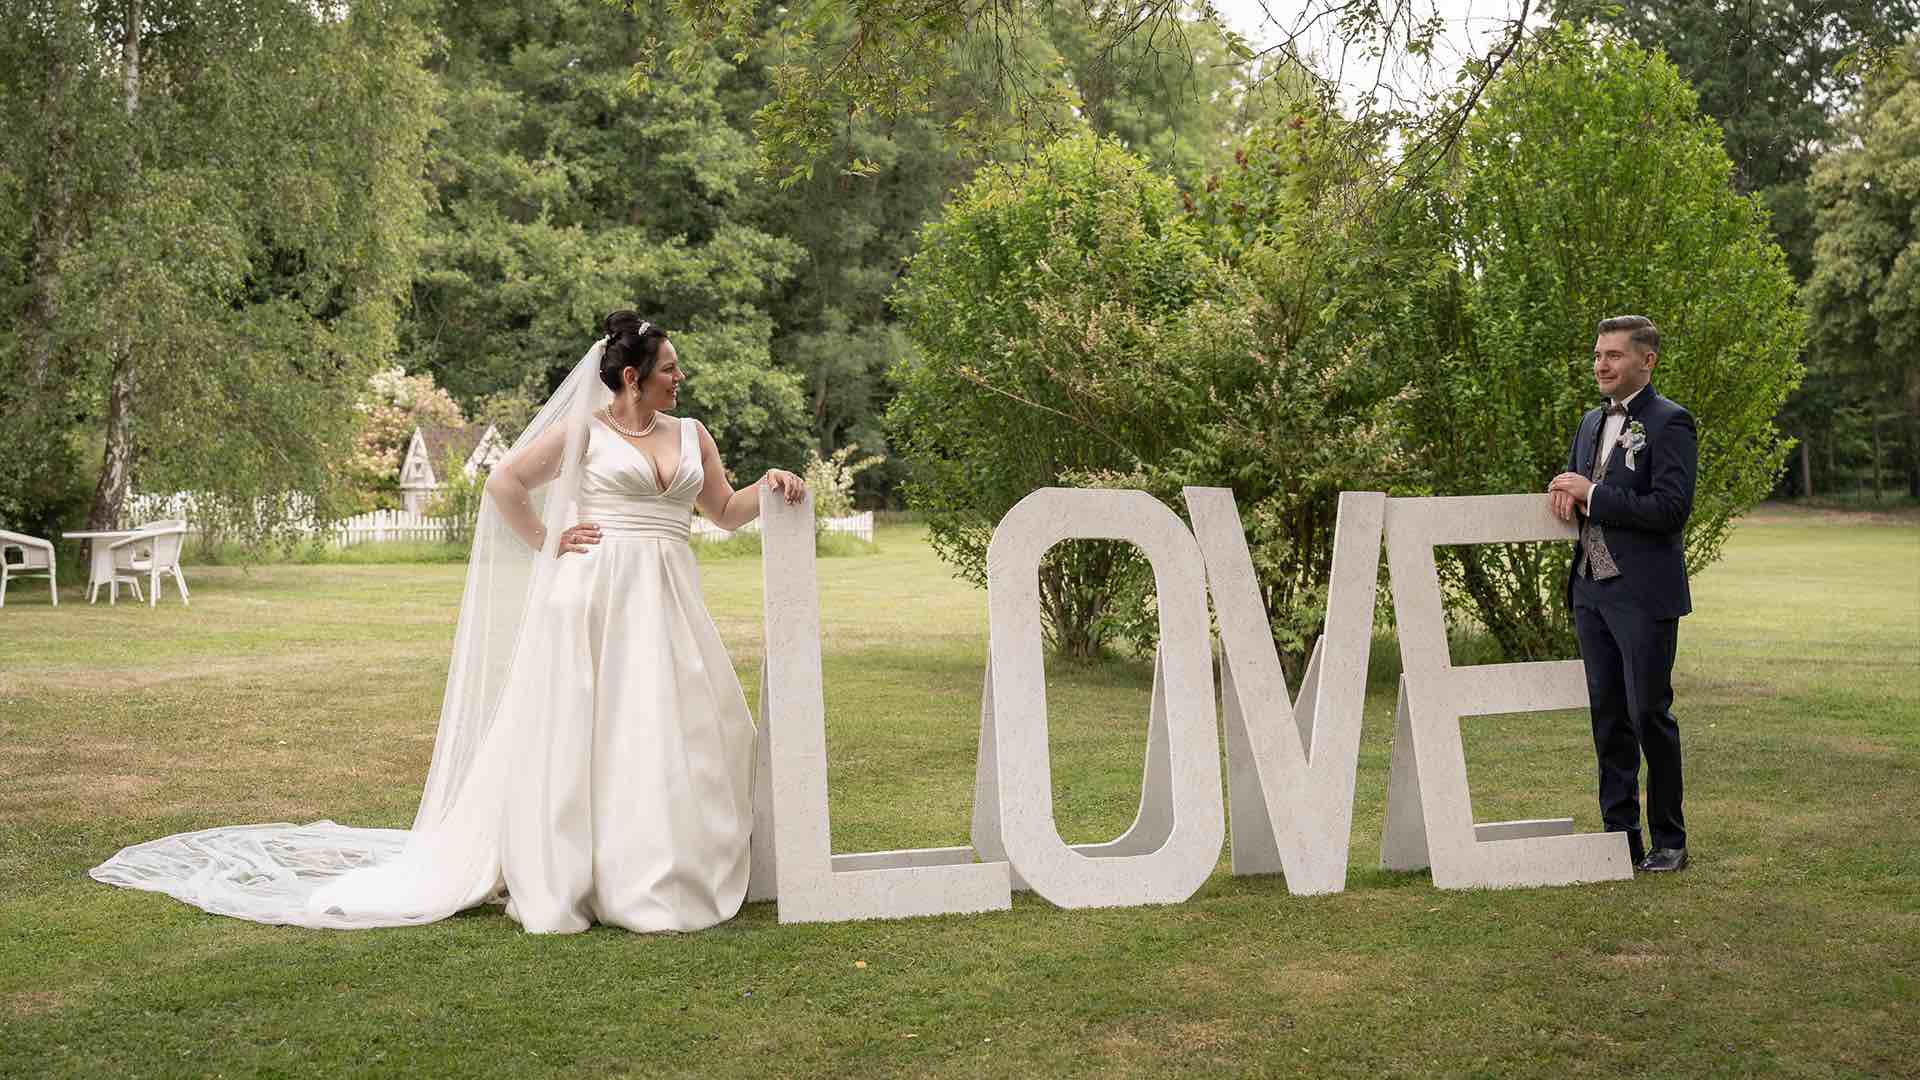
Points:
[1633,440]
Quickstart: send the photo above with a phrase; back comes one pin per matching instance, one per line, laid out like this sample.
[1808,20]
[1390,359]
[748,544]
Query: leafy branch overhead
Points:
[988,72]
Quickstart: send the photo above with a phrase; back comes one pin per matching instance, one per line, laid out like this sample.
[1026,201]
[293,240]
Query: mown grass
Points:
[1791,947]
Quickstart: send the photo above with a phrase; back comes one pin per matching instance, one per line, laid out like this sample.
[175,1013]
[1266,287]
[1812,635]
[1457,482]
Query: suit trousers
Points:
[1628,656]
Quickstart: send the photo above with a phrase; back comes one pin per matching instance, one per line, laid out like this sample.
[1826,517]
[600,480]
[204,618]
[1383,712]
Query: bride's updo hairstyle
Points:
[628,346]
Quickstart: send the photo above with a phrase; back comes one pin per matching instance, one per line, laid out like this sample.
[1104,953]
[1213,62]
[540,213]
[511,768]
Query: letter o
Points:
[1032,841]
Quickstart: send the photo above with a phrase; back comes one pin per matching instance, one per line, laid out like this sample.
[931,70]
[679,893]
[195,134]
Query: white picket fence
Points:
[374,527]
[379,526]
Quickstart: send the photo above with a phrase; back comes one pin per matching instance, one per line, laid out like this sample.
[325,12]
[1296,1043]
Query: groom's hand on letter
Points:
[1568,492]
[1562,505]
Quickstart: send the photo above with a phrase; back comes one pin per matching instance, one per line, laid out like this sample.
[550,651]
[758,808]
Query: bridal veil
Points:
[284,873]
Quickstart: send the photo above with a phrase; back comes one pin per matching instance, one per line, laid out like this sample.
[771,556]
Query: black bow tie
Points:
[1614,408]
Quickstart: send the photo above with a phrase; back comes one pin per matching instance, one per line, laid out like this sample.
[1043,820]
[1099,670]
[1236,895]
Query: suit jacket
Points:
[1643,510]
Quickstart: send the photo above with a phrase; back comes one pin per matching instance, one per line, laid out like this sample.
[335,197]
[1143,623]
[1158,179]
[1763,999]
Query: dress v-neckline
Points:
[653,467]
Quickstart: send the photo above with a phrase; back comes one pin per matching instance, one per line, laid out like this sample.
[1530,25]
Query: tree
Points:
[1040,278]
[1265,384]
[1171,98]
[1590,186]
[561,195]
[838,63]
[1295,406]
[857,226]
[56,119]
[1773,74]
[1864,295]
[220,208]
[832,325]
[1776,75]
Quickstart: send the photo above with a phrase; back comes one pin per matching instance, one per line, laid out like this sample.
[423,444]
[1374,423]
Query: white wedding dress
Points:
[613,784]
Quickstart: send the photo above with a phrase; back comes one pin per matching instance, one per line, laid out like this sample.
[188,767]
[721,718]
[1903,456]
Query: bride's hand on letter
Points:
[785,484]
[577,538]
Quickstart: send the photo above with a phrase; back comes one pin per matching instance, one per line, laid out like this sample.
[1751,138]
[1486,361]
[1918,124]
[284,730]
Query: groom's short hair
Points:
[1643,333]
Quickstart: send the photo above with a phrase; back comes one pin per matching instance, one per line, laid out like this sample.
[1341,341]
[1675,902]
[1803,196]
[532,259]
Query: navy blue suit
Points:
[1628,626]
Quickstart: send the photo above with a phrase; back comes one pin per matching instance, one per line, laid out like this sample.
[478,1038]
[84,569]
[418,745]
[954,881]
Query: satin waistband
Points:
[624,524]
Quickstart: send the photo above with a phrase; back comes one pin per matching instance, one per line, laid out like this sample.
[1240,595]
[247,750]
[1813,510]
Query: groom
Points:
[1629,484]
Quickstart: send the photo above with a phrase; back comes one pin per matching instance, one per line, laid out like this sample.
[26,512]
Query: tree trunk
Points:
[1879,491]
[131,54]
[1913,455]
[1806,468]
[116,468]
[1910,429]
[1076,585]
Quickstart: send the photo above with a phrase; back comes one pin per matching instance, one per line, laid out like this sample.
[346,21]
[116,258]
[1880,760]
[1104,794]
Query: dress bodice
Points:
[620,491]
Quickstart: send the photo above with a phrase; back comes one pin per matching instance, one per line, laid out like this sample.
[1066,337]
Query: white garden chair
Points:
[35,560]
[152,551]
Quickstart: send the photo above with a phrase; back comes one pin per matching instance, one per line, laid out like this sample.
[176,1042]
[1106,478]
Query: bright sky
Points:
[1472,27]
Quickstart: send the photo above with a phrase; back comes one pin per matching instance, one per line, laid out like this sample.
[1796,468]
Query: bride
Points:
[594,757]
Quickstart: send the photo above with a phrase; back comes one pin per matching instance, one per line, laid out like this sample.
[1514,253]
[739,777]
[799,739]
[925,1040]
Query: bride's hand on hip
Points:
[577,538]
[785,484]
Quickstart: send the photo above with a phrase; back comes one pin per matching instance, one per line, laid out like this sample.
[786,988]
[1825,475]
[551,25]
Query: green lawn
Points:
[289,693]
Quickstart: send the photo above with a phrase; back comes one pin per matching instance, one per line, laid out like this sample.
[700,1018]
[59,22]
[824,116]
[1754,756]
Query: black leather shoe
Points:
[1663,860]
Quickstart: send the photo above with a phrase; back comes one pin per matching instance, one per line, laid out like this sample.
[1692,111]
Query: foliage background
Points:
[1298,287]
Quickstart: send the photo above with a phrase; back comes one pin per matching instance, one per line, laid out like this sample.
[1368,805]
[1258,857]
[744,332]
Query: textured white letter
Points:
[1429,810]
[1291,799]
[791,848]
[1021,816]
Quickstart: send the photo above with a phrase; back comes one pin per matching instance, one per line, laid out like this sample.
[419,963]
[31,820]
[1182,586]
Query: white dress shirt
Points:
[1610,434]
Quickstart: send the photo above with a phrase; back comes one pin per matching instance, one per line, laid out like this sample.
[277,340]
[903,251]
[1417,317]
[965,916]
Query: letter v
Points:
[1290,801]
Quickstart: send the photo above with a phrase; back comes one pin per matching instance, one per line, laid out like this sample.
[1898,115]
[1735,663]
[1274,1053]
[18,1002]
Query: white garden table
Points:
[101,549]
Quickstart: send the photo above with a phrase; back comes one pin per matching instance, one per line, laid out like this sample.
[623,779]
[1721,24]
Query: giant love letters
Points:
[1291,762]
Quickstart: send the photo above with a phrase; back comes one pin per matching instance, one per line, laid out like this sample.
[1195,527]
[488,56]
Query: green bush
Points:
[831,478]
[1040,282]
[1289,404]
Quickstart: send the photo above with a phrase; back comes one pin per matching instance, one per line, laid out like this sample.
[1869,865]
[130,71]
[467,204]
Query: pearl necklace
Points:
[607,415]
